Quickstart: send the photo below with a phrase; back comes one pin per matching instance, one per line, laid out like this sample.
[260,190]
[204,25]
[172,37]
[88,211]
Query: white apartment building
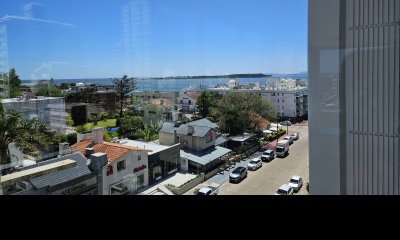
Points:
[50,110]
[290,101]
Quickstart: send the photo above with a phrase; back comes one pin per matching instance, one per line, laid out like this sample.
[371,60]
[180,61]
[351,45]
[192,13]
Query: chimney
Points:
[97,135]
[63,149]
[98,161]
[89,152]
[190,130]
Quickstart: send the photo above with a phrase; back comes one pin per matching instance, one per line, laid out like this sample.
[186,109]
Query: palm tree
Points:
[123,86]
[26,134]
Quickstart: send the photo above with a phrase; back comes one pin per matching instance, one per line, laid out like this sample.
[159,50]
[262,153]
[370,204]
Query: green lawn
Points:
[104,124]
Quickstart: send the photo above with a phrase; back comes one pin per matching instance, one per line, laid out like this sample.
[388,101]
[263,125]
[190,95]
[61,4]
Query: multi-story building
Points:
[126,168]
[291,102]
[50,110]
[135,56]
[200,144]
[354,50]
[163,161]
[157,111]
[187,101]
[4,88]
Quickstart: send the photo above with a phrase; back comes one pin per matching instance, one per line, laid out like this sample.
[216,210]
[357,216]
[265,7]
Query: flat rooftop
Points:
[154,147]
[16,100]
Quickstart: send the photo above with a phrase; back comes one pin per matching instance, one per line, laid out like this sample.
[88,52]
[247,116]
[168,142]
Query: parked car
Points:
[285,189]
[295,136]
[296,182]
[208,191]
[254,164]
[289,138]
[268,155]
[286,123]
[238,174]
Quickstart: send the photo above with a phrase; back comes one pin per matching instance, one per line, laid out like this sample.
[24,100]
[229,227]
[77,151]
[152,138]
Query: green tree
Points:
[236,111]
[149,133]
[205,102]
[129,125]
[123,86]
[50,92]
[15,83]
[28,135]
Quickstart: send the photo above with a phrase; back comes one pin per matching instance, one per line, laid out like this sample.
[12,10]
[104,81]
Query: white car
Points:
[285,189]
[296,182]
[254,164]
[208,191]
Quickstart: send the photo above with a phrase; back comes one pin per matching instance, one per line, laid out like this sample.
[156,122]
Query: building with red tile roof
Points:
[126,170]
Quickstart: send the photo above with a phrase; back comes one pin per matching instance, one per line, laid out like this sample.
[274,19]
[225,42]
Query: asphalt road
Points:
[267,179]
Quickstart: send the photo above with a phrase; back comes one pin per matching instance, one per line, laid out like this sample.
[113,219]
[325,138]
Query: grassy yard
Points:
[104,124]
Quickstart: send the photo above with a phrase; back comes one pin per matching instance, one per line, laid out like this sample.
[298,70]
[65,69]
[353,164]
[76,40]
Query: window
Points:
[283,101]
[140,181]
[121,166]
[272,94]
[181,101]
[109,170]
[139,157]
[278,100]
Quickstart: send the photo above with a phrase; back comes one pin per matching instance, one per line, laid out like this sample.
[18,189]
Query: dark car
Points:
[238,174]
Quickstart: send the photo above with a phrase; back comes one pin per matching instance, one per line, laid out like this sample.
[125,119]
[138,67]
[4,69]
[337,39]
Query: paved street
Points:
[267,179]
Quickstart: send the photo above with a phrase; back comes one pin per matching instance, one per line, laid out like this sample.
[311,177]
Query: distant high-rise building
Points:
[354,63]
[4,88]
[136,53]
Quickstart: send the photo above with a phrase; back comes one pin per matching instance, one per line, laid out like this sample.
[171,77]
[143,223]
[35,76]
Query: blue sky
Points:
[158,38]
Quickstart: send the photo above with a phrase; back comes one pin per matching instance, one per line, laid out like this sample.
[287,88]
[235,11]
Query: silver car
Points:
[289,138]
[238,174]
[268,155]
[295,136]
[296,182]
[254,164]
[285,189]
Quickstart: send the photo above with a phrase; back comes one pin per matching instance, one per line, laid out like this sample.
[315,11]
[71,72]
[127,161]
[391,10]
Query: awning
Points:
[205,157]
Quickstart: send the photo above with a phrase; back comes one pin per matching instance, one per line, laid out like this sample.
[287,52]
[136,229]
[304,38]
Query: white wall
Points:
[166,138]
[132,162]
[283,102]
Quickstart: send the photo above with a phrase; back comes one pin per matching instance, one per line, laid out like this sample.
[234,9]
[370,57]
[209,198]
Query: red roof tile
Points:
[193,95]
[113,150]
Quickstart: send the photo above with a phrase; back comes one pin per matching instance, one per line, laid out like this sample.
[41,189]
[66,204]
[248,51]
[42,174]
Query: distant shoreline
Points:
[248,75]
